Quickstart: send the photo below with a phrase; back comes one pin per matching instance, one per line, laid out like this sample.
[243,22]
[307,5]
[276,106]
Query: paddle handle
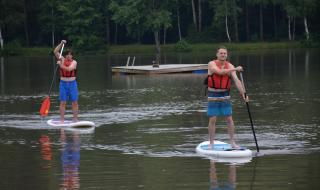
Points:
[249,113]
[244,88]
[55,71]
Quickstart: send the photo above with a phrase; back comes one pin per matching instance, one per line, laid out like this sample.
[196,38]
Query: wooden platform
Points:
[163,69]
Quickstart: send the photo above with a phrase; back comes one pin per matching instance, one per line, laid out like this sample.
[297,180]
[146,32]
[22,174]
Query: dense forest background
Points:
[90,24]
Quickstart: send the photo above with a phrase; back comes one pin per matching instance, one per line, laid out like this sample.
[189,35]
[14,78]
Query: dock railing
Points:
[128,61]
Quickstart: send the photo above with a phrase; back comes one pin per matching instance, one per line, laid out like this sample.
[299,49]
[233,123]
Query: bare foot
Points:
[234,145]
[75,120]
[210,146]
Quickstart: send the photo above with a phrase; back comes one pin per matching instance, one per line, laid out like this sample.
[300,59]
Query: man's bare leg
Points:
[62,110]
[212,130]
[75,110]
[231,131]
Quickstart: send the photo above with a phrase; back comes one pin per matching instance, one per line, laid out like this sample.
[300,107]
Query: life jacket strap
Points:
[217,90]
[219,98]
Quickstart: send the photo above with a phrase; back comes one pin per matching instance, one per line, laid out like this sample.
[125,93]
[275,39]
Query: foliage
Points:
[90,24]
[313,42]
[12,48]
[49,18]
[139,16]
[80,21]
[130,14]
[182,46]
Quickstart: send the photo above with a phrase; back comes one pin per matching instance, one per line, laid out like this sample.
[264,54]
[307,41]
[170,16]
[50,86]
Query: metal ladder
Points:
[128,61]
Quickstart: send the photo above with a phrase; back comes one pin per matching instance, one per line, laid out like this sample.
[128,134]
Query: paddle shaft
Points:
[55,71]
[249,113]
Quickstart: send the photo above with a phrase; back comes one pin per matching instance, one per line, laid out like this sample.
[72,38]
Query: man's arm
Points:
[239,85]
[57,49]
[214,69]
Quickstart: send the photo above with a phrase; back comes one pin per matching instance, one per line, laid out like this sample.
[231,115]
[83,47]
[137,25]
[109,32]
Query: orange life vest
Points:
[65,73]
[220,81]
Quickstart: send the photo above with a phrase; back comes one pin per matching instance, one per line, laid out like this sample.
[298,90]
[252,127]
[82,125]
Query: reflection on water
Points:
[46,152]
[2,75]
[220,183]
[70,160]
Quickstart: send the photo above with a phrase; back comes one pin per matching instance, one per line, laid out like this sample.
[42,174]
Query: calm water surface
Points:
[148,126]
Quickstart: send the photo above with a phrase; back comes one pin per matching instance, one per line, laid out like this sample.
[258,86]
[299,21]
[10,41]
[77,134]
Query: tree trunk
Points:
[247,22]
[139,37]
[235,18]
[108,31]
[164,35]
[194,14]
[2,72]
[275,28]
[26,23]
[1,39]
[294,29]
[306,28]
[199,16]
[226,22]
[52,29]
[289,28]
[157,40]
[306,64]
[178,17]
[261,22]
[116,34]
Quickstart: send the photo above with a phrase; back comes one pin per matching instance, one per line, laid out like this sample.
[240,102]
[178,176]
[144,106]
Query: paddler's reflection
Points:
[46,152]
[70,158]
[222,185]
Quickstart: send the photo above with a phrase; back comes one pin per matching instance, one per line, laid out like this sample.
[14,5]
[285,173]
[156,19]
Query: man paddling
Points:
[68,84]
[220,73]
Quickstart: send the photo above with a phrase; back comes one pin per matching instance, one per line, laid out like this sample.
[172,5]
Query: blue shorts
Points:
[68,91]
[219,108]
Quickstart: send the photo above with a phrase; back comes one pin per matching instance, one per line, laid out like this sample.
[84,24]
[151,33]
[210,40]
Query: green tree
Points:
[222,10]
[307,8]
[130,14]
[139,16]
[81,22]
[106,19]
[291,8]
[261,4]
[50,19]
[11,17]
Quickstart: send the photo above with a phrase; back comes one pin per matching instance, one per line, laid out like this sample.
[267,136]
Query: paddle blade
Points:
[45,106]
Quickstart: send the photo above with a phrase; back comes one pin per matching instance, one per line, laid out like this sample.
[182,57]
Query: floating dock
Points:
[162,69]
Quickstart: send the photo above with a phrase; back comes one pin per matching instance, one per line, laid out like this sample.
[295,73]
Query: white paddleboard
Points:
[79,126]
[222,150]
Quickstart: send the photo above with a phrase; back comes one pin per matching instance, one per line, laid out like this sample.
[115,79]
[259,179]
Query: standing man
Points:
[220,73]
[68,84]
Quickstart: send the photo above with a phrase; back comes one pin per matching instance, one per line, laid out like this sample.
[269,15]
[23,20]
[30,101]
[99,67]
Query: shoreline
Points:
[151,49]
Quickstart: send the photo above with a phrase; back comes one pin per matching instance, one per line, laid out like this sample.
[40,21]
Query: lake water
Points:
[148,126]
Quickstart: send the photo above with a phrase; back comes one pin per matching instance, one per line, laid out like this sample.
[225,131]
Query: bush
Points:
[182,46]
[12,48]
[313,42]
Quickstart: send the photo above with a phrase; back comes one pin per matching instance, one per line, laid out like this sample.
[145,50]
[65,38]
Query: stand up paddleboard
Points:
[222,150]
[79,126]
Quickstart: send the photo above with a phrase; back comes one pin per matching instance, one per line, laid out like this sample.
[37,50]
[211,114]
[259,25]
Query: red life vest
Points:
[220,81]
[65,73]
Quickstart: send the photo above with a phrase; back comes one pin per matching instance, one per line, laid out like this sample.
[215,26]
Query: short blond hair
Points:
[222,47]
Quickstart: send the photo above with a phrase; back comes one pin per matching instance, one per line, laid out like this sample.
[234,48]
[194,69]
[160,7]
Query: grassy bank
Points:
[196,48]
[150,49]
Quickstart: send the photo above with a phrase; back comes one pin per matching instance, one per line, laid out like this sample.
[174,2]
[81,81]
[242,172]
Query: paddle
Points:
[45,106]
[248,108]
